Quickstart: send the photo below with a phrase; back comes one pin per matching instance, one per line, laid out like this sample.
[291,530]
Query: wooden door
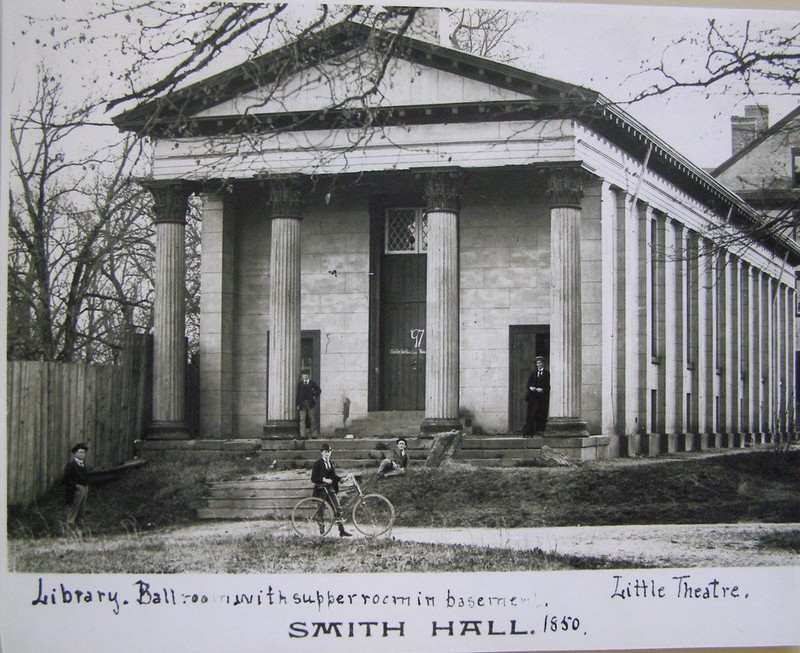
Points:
[403,328]
[525,343]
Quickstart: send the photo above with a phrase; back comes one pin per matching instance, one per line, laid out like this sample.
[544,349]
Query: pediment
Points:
[350,83]
[344,67]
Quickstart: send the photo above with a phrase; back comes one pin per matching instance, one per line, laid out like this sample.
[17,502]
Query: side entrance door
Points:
[309,359]
[403,296]
[526,342]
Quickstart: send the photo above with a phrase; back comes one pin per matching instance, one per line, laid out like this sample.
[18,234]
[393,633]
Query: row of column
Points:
[565,190]
[708,337]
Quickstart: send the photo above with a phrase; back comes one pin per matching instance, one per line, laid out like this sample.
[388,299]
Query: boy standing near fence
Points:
[76,487]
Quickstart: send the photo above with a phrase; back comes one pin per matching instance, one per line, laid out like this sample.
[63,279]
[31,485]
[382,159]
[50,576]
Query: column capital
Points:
[286,197]
[441,190]
[170,200]
[564,185]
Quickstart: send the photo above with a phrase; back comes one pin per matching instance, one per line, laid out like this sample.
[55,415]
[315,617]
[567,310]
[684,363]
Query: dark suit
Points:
[395,460]
[74,474]
[323,490]
[538,401]
[76,490]
[307,395]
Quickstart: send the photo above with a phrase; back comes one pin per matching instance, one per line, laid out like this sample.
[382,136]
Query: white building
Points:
[416,246]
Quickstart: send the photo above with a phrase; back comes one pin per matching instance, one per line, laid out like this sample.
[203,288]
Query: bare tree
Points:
[748,58]
[486,32]
[71,219]
[744,62]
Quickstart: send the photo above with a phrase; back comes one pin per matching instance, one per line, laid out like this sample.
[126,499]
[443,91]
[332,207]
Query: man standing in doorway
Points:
[307,394]
[538,398]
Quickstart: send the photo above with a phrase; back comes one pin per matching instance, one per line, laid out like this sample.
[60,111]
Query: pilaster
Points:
[745,409]
[673,314]
[635,324]
[216,318]
[731,341]
[610,326]
[755,353]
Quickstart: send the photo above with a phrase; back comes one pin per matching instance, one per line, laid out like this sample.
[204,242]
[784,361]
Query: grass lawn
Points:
[129,516]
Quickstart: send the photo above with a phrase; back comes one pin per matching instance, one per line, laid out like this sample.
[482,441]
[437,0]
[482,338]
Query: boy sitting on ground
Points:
[396,462]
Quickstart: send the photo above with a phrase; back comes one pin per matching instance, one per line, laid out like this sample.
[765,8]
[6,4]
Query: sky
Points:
[601,47]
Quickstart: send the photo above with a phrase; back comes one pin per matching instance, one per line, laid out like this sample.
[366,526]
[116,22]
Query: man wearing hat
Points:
[326,485]
[76,486]
[538,398]
[307,394]
[396,462]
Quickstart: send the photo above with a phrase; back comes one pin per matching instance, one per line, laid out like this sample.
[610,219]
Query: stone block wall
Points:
[505,280]
[335,301]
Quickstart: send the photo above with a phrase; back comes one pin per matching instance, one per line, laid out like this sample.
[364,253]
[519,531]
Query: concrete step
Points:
[274,495]
[243,513]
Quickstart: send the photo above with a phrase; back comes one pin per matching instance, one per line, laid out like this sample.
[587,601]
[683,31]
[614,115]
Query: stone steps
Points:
[273,496]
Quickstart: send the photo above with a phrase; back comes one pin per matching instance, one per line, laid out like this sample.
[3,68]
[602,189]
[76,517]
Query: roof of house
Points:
[777,128]
[175,113]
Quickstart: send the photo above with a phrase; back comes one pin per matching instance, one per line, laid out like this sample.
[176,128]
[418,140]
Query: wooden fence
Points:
[52,406]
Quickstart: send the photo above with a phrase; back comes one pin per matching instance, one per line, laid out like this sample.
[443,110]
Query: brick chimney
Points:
[427,26]
[745,129]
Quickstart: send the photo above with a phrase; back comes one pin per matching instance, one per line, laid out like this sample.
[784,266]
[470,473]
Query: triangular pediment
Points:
[344,67]
[349,83]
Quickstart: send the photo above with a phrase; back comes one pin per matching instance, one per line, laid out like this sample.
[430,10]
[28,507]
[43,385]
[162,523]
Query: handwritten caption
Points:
[448,613]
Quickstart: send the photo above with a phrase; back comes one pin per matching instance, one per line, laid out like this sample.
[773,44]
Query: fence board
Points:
[12,427]
[52,406]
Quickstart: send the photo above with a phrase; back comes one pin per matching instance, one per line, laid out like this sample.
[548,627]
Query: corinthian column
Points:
[169,344]
[442,305]
[565,190]
[284,309]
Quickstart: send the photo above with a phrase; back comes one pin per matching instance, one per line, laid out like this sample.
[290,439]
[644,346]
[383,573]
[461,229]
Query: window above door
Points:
[406,231]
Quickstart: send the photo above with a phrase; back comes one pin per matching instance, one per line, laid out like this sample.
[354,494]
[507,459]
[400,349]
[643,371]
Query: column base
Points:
[656,444]
[432,425]
[570,427]
[707,441]
[691,442]
[676,442]
[281,429]
[163,430]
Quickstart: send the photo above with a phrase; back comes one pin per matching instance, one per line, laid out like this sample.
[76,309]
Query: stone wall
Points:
[505,280]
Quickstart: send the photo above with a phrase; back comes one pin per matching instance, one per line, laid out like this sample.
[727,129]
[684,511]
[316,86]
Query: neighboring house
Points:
[418,246]
[764,169]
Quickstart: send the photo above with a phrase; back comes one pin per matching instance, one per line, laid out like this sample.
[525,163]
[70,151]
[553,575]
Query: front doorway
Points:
[309,359]
[403,310]
[526,342]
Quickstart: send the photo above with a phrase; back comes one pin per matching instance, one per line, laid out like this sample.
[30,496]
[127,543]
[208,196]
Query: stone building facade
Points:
[416,247]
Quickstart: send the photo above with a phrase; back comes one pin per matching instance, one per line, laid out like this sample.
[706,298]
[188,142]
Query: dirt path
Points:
[713,545]
[696,545]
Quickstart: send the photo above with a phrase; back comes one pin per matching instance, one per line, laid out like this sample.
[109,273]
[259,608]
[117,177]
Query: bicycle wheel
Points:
[312,517]
[373,515]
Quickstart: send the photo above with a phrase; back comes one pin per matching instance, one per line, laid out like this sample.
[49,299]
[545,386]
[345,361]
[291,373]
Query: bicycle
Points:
[372,514]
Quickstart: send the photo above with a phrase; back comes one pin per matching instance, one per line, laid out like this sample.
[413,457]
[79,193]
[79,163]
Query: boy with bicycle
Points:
[326,485]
